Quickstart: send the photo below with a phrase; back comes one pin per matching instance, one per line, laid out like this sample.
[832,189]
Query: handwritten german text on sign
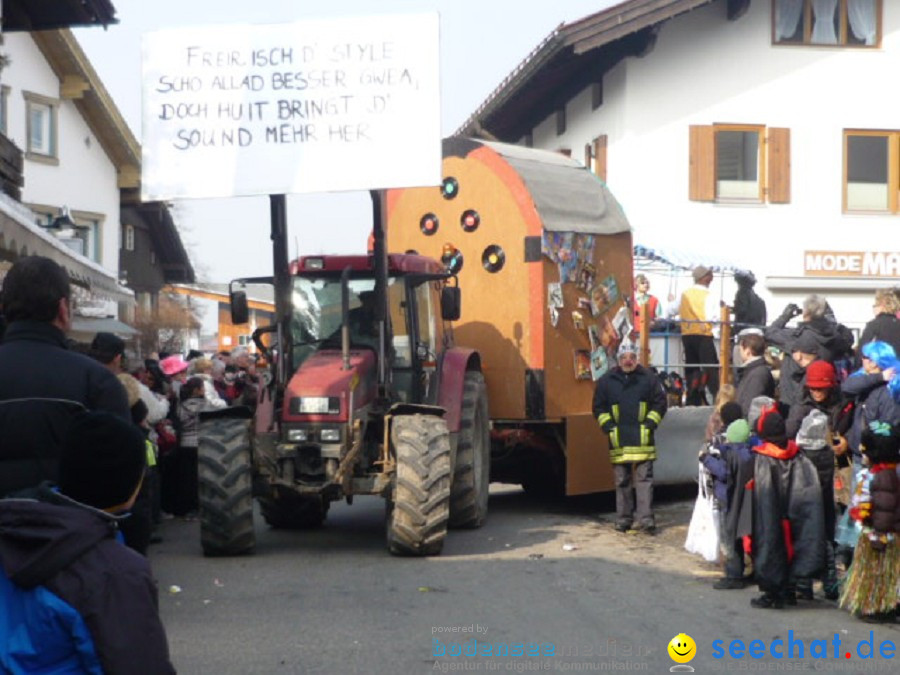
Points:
[325,105]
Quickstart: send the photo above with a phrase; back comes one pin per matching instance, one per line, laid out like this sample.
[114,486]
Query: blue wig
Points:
[883,355]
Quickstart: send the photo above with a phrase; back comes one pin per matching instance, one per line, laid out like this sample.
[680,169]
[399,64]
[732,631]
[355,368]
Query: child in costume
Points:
[730,462]
[788,523]
[813,439]
[871,589]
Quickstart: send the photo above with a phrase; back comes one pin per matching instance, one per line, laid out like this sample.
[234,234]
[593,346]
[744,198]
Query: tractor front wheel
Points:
[224,491]
[419,509]
[471,476]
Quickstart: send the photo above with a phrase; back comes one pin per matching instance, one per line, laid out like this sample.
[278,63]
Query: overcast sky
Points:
[481,42]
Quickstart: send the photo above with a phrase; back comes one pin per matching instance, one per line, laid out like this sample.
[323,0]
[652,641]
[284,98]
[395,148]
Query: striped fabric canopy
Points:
[675,259]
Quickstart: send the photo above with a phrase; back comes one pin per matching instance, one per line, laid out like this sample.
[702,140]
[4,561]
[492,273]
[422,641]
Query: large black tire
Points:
[294,512]
[471,477]
[225,494]
[420,508]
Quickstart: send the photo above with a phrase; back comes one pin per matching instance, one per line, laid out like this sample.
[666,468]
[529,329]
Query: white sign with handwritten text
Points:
[318,106]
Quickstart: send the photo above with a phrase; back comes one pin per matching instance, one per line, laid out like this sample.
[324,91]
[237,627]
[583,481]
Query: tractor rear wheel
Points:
[225,494]
[471,476]
[420,506]
[294,513]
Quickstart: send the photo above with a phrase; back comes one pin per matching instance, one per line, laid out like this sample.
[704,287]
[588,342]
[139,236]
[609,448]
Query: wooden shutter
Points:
[600,157]
[779,165]
[702,186]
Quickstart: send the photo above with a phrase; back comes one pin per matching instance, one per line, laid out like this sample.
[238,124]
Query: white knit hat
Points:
[813,431]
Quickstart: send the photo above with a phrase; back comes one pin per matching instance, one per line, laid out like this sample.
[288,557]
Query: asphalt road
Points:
[553,585]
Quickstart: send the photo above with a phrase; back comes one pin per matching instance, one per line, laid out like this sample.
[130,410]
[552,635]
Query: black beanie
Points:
[880,442]
[771,427]
[807,343]
[730,412]
[102,461]
[139,412]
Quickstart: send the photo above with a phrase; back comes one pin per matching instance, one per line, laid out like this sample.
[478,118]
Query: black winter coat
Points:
[749,309]
[798,412]
[884,327]
[755,379]
[42,385]
[629,407]
[835,341]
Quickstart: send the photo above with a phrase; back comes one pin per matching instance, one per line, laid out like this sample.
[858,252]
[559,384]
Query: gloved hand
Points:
[791,311]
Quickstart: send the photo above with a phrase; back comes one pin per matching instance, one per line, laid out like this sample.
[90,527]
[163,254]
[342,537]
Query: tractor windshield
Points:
[316,317]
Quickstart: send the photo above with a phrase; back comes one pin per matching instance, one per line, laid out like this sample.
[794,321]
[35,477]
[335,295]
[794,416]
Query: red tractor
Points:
[369,397]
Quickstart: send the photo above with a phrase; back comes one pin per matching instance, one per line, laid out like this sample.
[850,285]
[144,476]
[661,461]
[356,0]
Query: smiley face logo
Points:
[682,648]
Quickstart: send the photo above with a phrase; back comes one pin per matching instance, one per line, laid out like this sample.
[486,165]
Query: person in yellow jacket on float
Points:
[629,404]
[698,312]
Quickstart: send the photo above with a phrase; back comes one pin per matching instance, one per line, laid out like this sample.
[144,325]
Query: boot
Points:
[768,601]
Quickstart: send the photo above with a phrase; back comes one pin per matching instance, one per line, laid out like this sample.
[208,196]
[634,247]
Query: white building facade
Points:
[78,154]
[770,138]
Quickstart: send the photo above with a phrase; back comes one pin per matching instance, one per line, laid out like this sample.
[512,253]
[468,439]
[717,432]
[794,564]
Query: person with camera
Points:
[816,336]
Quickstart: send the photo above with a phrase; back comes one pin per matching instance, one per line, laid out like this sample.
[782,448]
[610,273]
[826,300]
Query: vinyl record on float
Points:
[429,224]
[449,188]
[470,220]
[493,258]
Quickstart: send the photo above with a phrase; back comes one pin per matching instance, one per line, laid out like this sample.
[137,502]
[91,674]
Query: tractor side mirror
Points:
[240,313]
[451,303]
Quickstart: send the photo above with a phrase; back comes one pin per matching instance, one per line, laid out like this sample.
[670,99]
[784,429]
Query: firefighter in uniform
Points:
[629,403]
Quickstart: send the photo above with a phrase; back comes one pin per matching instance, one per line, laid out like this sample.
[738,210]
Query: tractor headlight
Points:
[330,435]
[297,435]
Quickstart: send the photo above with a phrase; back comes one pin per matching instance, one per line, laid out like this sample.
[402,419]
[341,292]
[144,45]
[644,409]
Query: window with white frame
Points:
[4,112]
[128,237]
[88,228]
[835,23]
[41,126]
[739,163]
[872,171]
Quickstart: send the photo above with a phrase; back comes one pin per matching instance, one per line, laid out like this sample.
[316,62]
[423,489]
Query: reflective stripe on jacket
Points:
[629,407]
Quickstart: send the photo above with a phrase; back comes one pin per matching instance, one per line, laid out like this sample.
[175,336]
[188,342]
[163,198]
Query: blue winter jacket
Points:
[724,467]
[873,403]
[73,599]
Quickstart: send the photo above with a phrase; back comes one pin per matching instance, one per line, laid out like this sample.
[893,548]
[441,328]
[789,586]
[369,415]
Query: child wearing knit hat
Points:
[813,439]
[67,584]
[788,525]
[730,462]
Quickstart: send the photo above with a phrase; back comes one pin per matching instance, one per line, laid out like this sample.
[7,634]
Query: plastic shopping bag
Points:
[704,531]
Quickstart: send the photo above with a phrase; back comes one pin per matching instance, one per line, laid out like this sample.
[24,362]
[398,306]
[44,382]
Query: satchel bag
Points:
[704,532]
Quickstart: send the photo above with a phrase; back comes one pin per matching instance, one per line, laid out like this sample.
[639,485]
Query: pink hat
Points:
[172,365]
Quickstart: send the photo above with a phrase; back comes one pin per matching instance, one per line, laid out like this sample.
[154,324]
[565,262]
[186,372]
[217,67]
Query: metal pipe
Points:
[380,265]
[345,318]
[282,277]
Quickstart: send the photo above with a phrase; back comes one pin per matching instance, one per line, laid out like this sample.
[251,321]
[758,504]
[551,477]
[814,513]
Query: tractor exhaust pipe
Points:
[345,318]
